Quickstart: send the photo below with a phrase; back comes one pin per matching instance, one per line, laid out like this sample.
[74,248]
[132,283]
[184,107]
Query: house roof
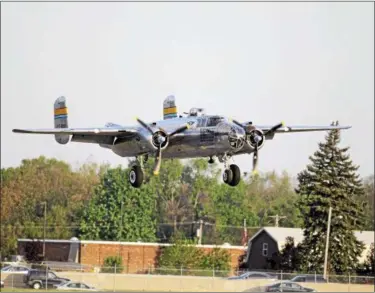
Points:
[280,234]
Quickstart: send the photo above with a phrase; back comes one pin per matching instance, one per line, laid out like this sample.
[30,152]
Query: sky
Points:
[302,63]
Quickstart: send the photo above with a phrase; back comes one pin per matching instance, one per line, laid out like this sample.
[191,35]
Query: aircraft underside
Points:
[194,145]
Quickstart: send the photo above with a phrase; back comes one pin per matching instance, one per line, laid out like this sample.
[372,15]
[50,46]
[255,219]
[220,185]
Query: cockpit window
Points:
[213,121]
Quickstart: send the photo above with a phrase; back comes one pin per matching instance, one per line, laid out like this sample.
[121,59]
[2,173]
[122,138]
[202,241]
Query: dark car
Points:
[41,279]
[309,279]
[288,286]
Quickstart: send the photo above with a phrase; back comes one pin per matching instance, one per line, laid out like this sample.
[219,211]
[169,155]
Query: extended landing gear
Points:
[136,176]
[232,175]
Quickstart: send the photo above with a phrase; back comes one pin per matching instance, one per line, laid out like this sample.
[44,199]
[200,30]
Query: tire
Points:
[36,285]
[227,176]
[236,175]
[136,176]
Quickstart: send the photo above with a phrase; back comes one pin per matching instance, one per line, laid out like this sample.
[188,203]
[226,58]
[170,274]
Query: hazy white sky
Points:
[302,63]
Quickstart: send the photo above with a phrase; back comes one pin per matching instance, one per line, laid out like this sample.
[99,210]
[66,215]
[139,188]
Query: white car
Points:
[15,269]
[71,285]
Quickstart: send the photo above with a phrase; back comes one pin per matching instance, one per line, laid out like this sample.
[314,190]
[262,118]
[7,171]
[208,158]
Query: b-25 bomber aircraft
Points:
[176,136]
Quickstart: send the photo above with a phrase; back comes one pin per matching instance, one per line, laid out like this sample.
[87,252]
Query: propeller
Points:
[161,138]
[257,139]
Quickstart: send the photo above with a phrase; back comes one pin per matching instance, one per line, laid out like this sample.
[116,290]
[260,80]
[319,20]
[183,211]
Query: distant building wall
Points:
[55,250]
[137,257]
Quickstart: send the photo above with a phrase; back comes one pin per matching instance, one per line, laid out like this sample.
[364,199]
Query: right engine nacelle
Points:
[255,136]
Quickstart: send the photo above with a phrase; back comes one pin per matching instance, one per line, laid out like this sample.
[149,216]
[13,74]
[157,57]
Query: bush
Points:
[183,254]
[218,260]
[112,264]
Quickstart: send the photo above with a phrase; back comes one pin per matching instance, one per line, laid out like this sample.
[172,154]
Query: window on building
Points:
[265,249]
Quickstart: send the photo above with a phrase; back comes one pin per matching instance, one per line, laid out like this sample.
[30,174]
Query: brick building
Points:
[136,256]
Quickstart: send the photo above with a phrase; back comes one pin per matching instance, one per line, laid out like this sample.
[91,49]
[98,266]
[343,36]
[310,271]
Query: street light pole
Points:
[327,242]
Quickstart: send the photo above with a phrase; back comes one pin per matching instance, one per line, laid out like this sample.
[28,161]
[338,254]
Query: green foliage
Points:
[42,180]
[112,264]
[289,256]
[368,202]
[118,211]
[218,260]
[330,180]
[184,255]
[96,202]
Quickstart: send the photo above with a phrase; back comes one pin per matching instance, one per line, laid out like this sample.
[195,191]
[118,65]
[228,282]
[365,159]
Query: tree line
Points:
[96,202]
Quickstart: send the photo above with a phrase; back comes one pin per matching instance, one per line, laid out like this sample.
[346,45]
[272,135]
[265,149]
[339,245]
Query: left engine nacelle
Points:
[255,137]
[160,139]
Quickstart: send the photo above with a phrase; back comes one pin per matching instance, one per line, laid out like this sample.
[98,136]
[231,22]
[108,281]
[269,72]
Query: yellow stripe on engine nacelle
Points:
[172,110]
[61,111]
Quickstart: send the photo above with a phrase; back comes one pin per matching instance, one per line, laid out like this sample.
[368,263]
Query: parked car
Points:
[288,286]
[41,279]
[69,286]
[15,269]
[309,279]
[253,275]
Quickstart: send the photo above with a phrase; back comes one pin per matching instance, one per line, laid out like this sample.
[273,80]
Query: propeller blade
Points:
[238,123]
[255,160]
[179,130]
[274,128]
[145,125]
[157,162]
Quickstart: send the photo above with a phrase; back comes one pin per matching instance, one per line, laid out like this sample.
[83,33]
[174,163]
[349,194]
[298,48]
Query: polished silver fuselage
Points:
[202,139]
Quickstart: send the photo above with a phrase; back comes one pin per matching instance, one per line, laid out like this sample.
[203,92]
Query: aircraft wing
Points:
[107,131]
[300,128]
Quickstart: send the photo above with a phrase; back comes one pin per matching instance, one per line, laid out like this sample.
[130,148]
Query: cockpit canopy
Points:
[214,120]
[196,112]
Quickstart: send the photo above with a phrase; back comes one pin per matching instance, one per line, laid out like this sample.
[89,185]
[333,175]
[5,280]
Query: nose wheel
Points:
[232,175]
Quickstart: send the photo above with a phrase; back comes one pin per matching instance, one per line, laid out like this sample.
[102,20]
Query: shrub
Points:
[112,264]
[183,254]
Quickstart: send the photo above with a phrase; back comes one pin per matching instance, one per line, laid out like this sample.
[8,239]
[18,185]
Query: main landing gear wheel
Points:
[136,176]
[227,176]
[232,176]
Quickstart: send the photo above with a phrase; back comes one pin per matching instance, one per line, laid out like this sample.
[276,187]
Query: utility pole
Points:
[277,219]
[200,231]
[120,234]
[327,242]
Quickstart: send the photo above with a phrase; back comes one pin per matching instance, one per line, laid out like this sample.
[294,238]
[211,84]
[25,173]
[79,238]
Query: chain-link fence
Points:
[35,277]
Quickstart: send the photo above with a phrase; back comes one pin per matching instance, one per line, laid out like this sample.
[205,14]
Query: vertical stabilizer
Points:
[61,119]
[169,108]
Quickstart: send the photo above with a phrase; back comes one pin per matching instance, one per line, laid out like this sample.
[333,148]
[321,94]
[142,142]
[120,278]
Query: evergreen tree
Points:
[330,181]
